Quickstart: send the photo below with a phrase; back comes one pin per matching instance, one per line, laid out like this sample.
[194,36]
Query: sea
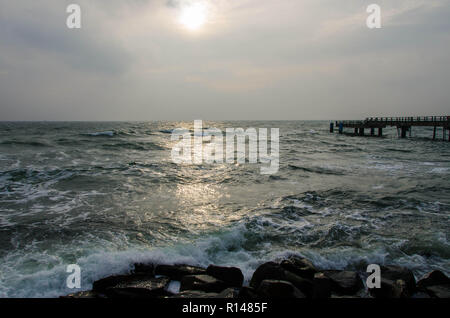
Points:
[105,195]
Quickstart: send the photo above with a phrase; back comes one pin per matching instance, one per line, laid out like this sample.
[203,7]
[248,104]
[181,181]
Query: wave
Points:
[134,146]
[318,170]
[440,170]
[31,143]
[240,245]
[108,133]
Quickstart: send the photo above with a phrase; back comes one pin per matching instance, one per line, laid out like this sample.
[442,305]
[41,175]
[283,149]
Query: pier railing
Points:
[402,120]
[418,119]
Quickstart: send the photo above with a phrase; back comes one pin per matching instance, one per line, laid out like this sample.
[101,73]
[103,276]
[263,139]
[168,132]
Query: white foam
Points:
[439,170]
[174,287]
[33,271]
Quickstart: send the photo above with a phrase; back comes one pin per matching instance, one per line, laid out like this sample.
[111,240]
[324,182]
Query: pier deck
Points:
[403,124]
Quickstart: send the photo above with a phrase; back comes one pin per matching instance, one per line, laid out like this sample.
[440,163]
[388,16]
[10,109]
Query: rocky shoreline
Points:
[292,277]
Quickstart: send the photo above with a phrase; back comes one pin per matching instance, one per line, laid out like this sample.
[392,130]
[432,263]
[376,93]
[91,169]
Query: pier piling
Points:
[404,129]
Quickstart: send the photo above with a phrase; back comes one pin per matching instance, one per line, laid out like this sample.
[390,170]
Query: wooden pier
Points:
[403,125]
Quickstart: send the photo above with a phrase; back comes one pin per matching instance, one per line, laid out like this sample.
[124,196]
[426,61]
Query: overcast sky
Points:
[250,60]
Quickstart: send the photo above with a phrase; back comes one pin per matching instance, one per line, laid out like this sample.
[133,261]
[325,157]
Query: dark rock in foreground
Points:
[227,293]
[204,283]
[247,293]
[435,284]
[232,276]
[195,294]
[344,282]
[322,286]
[278,289]
[102,284]
[293,277]
[139,287]
[274,271]
[439,291]
[394,273]
[269,270]
[299,266]
[85,294]
[177,272]
[432,279]
[396,282]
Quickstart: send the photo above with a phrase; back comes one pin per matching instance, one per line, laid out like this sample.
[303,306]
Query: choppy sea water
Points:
[106,195]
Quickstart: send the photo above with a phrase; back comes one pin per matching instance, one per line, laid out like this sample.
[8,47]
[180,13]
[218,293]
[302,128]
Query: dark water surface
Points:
[104,195]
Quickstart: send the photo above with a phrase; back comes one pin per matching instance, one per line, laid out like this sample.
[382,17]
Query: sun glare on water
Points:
[193,17]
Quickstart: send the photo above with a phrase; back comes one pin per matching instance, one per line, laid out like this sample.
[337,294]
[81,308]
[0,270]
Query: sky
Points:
[232,60]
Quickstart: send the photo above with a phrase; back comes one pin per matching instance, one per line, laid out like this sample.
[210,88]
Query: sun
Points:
[193,17]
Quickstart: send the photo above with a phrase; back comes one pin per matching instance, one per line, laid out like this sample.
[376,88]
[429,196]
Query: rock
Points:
[229,293]
[272,289]
[176,272]
[204,283]
[400,289]
[247,293]
[420,295]
[306,286]
[322,286]
[85,294]
[395,273]
[339,296]
[391,289]
[269,270]
[274,271]
[195,294]
[386,289]
[432,279]
[141,268]
[436,284]
[102,284]
[140,288]
[232,276]
[299,266]
[396,282]
[439,291]
[344,282]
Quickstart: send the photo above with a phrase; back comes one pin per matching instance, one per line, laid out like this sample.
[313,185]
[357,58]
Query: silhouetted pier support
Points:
[372,131]
[380,132]
[434,133]
[331,127]
[404,130]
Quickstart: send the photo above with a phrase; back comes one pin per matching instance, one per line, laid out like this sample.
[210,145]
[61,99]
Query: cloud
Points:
[252,60]
[40,28]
